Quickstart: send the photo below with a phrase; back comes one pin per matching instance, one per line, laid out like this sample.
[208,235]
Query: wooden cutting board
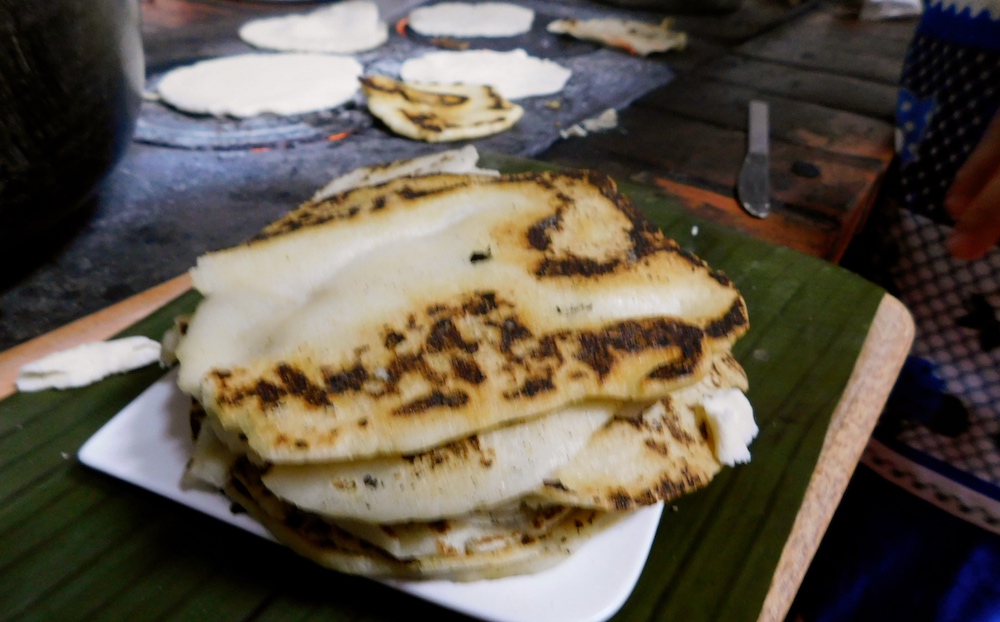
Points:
[822,355]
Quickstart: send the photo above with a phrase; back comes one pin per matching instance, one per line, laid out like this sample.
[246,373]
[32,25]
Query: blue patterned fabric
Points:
[917,535]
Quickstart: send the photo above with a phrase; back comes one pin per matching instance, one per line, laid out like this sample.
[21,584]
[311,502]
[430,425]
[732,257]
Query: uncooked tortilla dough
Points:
[345,28]
[251,84]
[514,74]
[463,19]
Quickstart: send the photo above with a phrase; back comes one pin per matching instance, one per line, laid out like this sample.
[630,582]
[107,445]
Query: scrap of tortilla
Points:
[436,113]
[395,318]
[635,36]
[464,160]
[659,454]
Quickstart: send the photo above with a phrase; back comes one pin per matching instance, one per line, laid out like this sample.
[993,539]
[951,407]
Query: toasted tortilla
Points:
[656,455]
[435,113]
[453,161]
[396,318]
[638,37]
[476,473]
[332,547]
[473,533]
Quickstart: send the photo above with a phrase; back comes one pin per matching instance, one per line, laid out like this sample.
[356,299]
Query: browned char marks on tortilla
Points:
[312,528]
[734,322]
[461,450]
[645,239]
[436,399]
[599,349]
[476,347]
[668,488]
[354,203]
[393,87]
[289,382]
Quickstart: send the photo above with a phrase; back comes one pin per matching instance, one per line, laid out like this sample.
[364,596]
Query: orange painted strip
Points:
[401,26]
[779,228]
[692,196]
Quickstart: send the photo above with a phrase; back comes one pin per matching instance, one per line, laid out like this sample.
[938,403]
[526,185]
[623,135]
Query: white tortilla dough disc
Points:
[514,74]
[344,28]
[463,19]
[251,84]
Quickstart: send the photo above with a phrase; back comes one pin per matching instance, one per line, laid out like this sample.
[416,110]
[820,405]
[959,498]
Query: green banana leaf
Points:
[79,545]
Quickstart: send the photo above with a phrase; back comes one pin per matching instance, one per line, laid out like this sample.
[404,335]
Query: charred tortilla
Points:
[333,547]
[459,377]
[396,318]
[634,36]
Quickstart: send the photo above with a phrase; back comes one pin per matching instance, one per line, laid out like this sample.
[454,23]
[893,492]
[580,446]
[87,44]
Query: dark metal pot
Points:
[71,76]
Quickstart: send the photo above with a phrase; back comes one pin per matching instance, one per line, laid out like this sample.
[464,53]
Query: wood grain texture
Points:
[882,357]
[94,327]
[868,98]
[814,54]
[817,215]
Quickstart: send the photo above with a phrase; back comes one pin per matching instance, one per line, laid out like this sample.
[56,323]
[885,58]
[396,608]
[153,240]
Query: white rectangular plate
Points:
[148,444]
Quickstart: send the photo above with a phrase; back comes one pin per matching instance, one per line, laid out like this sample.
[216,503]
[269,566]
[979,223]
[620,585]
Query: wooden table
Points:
[830,81]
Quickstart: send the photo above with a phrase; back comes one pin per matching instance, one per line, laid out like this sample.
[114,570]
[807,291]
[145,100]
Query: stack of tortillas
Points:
[461,376]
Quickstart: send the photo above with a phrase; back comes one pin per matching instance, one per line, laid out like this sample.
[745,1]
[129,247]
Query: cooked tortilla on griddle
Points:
[436,113]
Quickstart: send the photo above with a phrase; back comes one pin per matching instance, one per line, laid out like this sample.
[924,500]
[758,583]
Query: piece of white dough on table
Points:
[87,363]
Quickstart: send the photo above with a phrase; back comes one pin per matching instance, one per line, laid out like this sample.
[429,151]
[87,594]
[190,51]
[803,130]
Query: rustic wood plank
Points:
[846,93]
[792,121]
[750,20]
[831,41]
[815,215]
[833,17]
[819,55]
[889,339]
[697,53]
[654,141]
